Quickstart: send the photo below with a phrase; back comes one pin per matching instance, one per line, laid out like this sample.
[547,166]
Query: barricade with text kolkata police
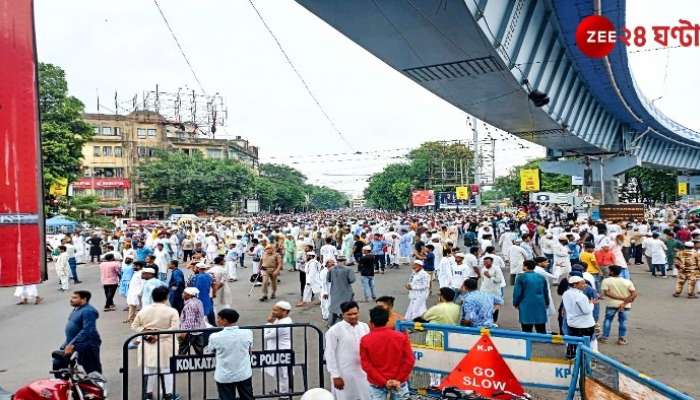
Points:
[281,369]
[537,361]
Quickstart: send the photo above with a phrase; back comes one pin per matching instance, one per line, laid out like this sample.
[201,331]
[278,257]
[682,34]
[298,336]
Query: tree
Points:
[195,183]
[63,131]
[325,198]
[282,173]
[84,207]
[391,188]
[655,185]
[508,186]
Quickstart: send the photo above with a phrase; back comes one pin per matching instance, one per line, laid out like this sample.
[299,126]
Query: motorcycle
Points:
[71,383]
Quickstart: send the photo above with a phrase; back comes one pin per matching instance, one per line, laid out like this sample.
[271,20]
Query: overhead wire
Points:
[179,46]
[300,77]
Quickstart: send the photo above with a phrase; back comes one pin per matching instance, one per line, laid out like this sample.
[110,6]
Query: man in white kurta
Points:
[313,287]
[418,288]
[279,339]
[343,356]
[460,271]
[325,292]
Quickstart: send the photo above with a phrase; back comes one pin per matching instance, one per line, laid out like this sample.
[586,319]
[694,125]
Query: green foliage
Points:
[391,188]
[283,187]
[63,132]
[195,183]
[83,208]
[656,185]
[508,186]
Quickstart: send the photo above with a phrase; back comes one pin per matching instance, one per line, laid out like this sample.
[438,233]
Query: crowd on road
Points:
[182,275]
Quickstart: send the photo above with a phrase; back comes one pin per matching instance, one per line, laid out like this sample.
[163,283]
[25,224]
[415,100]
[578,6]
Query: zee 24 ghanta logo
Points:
[596,35]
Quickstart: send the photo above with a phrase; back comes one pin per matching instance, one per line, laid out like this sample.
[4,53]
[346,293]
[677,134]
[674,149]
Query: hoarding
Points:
[624,212]
[449,200]
[423,198]
[21,196]
[529,180]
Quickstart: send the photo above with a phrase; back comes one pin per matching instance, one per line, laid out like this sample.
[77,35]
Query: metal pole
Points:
[477,159]
[602,181]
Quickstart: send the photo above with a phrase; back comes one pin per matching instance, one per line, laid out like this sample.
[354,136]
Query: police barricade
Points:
[606,378]
[173,361]
[538,361]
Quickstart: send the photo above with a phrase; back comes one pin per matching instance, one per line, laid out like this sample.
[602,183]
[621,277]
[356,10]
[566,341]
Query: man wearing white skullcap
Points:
[192,318]
[149,283]
[317,394]
[313,286]
[279,339]
[418,288]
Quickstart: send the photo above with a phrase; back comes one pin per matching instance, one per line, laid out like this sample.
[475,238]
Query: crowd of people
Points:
[181,275]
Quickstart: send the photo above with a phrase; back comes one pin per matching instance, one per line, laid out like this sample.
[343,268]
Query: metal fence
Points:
[604,377]
[173,362]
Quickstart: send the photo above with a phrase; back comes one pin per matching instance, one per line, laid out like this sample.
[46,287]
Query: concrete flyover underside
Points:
[478,54]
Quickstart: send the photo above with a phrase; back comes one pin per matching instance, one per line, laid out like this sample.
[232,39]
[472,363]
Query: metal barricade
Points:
[604,377]
[537,360]
[280,370]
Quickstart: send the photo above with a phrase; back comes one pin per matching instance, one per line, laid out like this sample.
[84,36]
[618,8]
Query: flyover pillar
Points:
[604,171]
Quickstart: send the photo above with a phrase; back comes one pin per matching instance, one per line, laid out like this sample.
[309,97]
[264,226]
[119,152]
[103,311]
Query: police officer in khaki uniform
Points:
[687,263]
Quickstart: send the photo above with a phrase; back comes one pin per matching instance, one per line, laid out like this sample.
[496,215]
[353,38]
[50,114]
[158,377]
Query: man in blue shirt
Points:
[142,251]
[81,334]
[177,286]
[232,349]
[203,281]
[477,306]
[378,245]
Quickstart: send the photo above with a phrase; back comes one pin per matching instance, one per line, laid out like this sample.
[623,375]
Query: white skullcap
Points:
[311,253]
[461,255]
[202,265]
[367,248]
[192,291]
[418,262]
[283,305]
[149,271]
[317,394]
[575,279]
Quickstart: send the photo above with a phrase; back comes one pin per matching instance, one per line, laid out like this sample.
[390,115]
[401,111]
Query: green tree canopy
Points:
[194,182]
[655,185]
[283,187]
[391,188]
[508,186]
[63,131]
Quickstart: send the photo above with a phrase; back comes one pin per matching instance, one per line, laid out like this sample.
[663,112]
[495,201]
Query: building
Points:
[122,142]
[358,202]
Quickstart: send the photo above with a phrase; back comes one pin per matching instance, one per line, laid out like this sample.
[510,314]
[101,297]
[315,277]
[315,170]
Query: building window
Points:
[215,153]
[117,151]
[96,130]
[112,194]
[107,131]
[96,151]
[141,133]
[151,133]
[152,152]
[107,151]
[142,151]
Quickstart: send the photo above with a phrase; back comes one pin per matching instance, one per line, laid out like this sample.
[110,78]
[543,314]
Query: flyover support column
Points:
[604,171]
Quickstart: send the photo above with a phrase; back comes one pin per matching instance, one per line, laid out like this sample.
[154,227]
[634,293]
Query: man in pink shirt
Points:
[109,276]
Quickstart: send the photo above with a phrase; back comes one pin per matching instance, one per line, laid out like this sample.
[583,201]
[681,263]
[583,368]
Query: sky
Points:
[124,46]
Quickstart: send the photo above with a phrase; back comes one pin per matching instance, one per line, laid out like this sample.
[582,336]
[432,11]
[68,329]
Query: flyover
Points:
[486,56]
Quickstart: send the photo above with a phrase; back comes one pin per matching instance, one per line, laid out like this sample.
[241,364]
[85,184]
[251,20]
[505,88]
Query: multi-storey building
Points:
[122,142]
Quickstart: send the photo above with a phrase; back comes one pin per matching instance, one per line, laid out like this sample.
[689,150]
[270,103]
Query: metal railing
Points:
[281,369]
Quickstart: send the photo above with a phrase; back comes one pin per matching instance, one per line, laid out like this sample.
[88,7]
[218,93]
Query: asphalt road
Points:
[663,331]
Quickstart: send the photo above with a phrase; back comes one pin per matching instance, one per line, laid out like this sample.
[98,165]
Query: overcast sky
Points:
[125,46]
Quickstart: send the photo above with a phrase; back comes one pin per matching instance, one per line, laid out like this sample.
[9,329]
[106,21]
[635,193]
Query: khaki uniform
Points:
[687,264]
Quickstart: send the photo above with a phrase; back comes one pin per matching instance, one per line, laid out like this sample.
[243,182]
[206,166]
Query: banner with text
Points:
[529,180]
[423,198]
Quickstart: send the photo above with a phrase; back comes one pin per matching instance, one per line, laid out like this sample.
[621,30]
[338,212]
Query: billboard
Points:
[422,198]
[450,200]
[21,197]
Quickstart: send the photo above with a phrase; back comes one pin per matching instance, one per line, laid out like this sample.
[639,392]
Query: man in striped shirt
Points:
[192,318]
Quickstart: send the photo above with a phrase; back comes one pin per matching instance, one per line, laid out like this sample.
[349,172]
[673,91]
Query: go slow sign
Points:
[207,362]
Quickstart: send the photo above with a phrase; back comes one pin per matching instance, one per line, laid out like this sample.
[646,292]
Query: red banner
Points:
[21,197]
[101,183]
[422,198]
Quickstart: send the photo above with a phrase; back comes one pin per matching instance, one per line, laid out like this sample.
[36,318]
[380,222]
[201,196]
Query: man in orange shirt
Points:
[605,257]
[387,303]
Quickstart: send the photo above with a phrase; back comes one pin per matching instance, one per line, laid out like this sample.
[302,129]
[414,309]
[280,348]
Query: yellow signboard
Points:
[529,180]
[682,188]
[59,187]
[462,192]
